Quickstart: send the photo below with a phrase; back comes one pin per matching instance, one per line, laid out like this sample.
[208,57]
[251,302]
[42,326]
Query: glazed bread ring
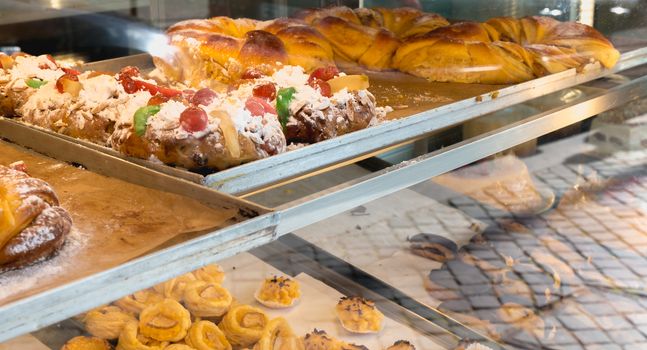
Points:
[33,225]
[243,325]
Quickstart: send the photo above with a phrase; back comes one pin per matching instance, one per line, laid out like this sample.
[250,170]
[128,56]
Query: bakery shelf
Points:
[412,124]
[67,300]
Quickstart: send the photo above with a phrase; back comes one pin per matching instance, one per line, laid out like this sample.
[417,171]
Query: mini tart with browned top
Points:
[358,315]
[86,343]
[278,292]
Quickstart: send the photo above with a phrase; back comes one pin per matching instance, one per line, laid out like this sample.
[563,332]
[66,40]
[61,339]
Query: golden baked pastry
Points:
[32,224]
[140,300]
[358,315]
[86,343]
[320,340]
[131,339]
[166,321]
[174,288]
[278,336]
[231,49]
[278,292]
[179,347]
[211,273]
[401,345]
[205,335]
[107,322]
[243,325]
[206,299]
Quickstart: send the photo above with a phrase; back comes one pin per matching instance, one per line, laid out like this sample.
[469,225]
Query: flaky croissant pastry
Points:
[205,335]
[131,339]
[107,322]
[243,325]
[166,321]
[86,343]
[206,299]
[278,336]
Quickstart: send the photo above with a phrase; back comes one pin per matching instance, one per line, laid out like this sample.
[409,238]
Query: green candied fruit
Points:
[141,117]
[283,98]
[35,83]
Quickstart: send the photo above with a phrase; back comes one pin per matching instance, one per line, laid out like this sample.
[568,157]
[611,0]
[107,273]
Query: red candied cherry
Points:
[324,73]
[266,91]
[203,97]
[157,100]
[187,94]
[194,119]
[252,74]
[129,71]
[68,83]
[129,84]
[322,86]
[258,106]
[71,71]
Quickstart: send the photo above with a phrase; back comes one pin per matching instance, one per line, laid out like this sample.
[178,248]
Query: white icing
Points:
[26,67]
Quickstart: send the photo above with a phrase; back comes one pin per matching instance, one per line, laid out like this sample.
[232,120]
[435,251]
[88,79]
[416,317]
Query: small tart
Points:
[207,299]
[131,339]
[210,273]
[166,321]
[278,292]
[278,335]
[205,335]
[86,343]
[243,325]
[358,315]
[174,288]
[401,345]
[138,301]
[107,322]
[320,340]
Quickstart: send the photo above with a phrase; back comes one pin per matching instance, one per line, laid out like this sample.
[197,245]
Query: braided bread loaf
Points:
[32,225]
[502,50]
[228,49]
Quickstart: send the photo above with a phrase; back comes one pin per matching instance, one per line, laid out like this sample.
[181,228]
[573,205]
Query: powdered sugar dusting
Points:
[17,281]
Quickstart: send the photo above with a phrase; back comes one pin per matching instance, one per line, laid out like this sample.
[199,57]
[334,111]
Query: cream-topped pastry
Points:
[359,315]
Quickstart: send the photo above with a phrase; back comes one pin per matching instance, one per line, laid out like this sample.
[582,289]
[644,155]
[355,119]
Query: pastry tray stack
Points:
[251,225]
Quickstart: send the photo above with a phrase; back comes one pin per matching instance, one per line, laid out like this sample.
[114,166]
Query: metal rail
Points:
[300,213]
[262,173]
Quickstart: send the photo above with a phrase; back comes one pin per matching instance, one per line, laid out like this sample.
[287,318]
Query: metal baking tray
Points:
[413,122]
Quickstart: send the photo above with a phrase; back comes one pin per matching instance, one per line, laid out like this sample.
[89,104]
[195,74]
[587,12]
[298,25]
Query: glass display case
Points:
[480,214]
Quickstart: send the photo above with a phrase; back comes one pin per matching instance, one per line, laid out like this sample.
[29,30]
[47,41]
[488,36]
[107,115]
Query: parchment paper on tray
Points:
[315,309]
[114,221]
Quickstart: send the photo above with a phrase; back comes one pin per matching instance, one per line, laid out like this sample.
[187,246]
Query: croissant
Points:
[86,343]
[33,225]
[243,325]
[107,322]
[166,321]
[205,335]
[278,336]
[131,339]
[205,299]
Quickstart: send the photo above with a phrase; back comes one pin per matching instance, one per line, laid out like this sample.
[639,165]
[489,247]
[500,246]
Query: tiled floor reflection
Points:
[574,277]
